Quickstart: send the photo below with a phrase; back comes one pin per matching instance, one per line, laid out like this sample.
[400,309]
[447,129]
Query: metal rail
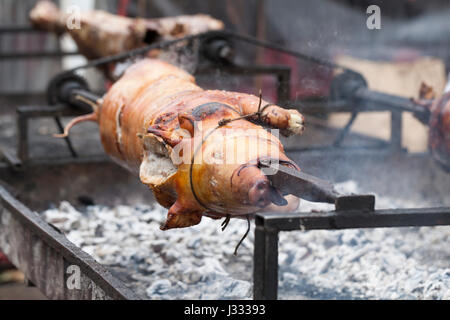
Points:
[268,225]
[49,260]
[14,55]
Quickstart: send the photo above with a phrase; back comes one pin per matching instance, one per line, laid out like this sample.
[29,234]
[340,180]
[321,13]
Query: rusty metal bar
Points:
[49,260]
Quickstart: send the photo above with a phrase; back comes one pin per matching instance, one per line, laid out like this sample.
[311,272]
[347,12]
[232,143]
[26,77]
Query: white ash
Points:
[198,262]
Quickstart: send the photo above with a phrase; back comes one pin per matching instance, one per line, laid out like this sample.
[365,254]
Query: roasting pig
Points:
[199,151]
[102,34]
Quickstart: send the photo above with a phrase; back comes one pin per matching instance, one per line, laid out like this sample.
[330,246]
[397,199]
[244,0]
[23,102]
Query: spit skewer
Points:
[311,188]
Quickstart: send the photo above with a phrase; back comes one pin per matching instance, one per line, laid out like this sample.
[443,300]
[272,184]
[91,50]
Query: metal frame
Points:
[268,225]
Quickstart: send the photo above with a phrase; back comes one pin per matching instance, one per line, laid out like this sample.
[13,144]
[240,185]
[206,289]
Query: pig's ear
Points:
[171,138]
[187,122]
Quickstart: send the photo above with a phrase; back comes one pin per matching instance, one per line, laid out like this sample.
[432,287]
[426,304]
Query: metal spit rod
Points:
[373,99]
[311,188]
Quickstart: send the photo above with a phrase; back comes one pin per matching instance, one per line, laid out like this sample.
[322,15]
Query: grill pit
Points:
[198,263]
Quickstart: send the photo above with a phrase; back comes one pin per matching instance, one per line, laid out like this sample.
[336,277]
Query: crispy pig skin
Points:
[103,34]
[153,111]
[149,120]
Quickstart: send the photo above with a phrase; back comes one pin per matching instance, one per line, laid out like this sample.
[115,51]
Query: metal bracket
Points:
[268,225]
